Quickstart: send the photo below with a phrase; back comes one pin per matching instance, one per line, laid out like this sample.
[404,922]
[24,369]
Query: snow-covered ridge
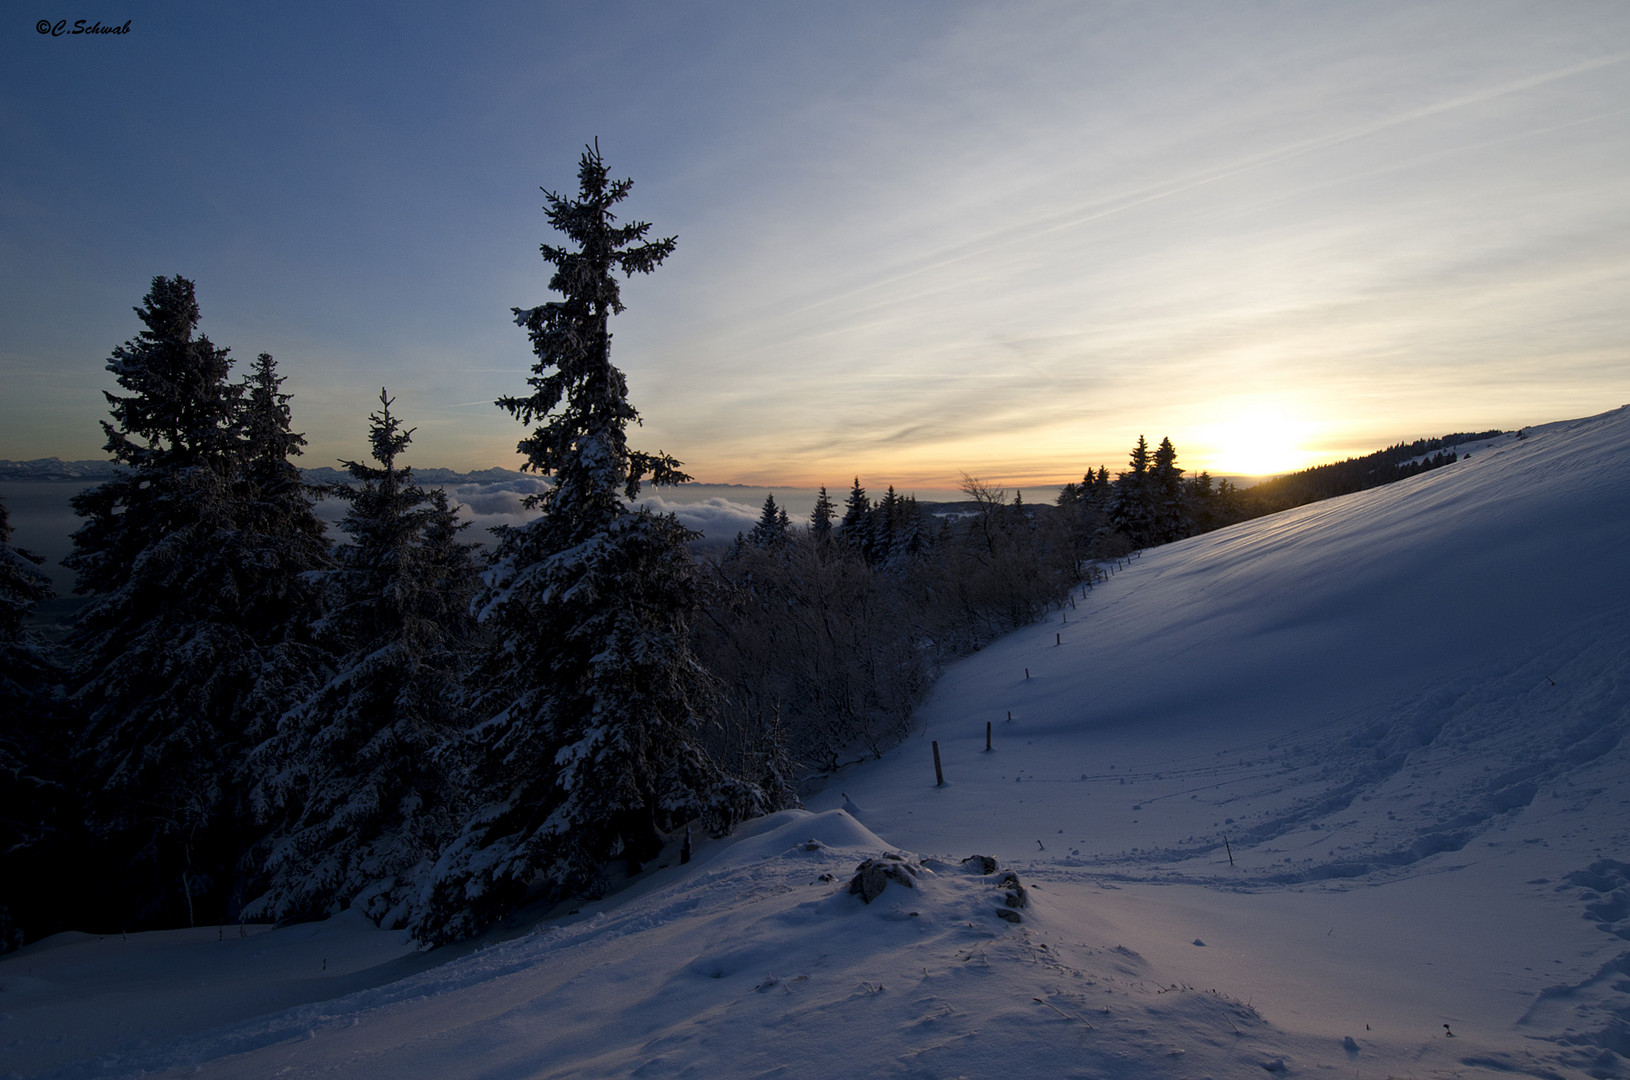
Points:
[1343,791]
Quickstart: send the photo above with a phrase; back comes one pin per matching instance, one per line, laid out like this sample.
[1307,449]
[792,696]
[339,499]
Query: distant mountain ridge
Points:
[56,469]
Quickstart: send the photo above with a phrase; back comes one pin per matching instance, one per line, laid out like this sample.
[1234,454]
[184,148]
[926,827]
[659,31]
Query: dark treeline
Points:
[1153,502]
[248,722]
[825,637]
[1150,502]
[1356,474]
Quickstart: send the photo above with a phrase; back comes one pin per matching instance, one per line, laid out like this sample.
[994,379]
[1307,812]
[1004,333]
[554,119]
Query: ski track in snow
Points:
[1342,791]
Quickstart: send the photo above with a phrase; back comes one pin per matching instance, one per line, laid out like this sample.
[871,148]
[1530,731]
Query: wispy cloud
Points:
[912,241]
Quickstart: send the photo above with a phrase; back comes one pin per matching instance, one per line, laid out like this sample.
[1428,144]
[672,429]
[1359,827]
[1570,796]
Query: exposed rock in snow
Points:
[873,875]
[980,864]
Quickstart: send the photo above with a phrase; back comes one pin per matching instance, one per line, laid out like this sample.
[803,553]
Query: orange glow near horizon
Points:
[1252,444]
[1255,438]
[1245,439]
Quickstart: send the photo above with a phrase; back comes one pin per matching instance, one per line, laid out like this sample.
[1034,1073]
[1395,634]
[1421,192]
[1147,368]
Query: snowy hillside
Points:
[1342,792]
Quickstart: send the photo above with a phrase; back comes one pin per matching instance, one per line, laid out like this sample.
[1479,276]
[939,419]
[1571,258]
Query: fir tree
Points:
[1169,518]
[164,660]
[275,504]
[451,568]
[820,519]
[356,775]
[1139,458]
[857,509]
[773,530]
[1132,505]
[281,541]
[1200,507]
[881,526]
[911,537]
[594,701]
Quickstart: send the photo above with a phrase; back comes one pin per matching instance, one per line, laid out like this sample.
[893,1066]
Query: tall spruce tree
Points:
[915,535]
[276,508]
[1131,507]
[452,569]
[857,510]
[774,530]
[1100,485]
[885,527]
[1169,518]
[163,658]
[281,542]
[594,701]
[820,518]
[356,777]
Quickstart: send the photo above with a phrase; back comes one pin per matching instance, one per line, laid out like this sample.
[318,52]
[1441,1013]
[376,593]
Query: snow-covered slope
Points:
[1343,791]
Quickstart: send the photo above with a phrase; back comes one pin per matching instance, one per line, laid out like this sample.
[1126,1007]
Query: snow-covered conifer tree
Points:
[356,777]
[881,527]
[1132,505]
[281,542]
[451,568]
[163,657]
[594,700]
[911,535]
[820,519]
[1168,512]
[857,509]
[773,530]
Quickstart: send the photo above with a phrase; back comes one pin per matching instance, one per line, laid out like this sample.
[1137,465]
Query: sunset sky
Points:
[915,239]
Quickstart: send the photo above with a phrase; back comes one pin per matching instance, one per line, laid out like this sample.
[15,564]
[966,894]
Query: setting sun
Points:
[1253,438]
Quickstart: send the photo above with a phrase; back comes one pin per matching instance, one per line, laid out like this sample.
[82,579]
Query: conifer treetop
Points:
[1139,459]
[579,399]
[387,440]
[267,416]
[179,398]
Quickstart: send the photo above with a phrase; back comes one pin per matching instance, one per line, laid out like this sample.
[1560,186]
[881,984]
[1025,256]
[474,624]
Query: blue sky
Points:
[915,239]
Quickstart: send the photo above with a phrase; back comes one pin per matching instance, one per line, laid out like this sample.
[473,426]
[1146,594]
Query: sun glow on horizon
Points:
[1255,438]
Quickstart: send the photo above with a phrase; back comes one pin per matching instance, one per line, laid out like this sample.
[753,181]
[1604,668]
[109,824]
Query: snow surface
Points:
[1337,792]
